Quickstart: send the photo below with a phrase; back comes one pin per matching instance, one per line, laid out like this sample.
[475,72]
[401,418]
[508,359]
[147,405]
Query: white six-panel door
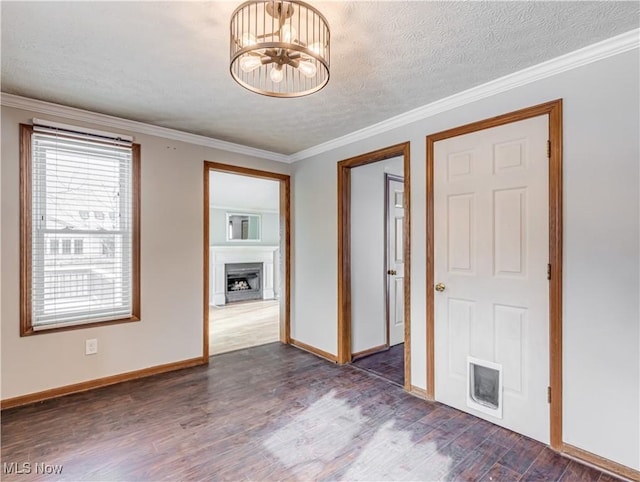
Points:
[395,260]
[491,250]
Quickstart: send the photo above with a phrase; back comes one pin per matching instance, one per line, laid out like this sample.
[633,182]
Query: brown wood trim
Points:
[431,373]
[315,351]
[555,284]
[285,248]
[26,328]
[136,159]
[80,326]
[25,229]
[370,351]
[344,249]
[418,392]
[406,153]
[375,156]
[245,171]
[344,265]
[98,383]
[554,110]
[285,243]
[518,115]
[601,462]
[205,257]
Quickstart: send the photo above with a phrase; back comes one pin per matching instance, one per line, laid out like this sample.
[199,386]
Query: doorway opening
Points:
[246,258]
[374,263]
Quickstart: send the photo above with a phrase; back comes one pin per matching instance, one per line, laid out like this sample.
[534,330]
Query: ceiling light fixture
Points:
[279,48]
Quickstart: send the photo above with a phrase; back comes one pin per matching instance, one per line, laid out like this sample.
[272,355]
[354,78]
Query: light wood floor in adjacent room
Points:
[242,325]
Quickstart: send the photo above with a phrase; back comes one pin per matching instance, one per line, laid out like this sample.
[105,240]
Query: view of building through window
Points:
[81,230]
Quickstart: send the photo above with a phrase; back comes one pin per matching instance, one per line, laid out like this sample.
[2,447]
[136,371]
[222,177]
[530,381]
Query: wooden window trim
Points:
[26,327]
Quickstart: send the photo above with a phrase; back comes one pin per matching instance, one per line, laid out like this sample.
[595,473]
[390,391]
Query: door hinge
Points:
[549,149]
[548,394]
[548,271]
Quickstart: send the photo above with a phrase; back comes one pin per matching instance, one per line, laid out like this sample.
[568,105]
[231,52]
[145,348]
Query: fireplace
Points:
[267,257]
[243,281]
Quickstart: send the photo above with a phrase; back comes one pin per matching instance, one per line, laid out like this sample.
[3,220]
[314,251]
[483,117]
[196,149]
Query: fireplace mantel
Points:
[221,255]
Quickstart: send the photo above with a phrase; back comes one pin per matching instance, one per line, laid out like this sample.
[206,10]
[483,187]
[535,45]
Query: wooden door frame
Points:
[285,244]
[554,110]
[344,250]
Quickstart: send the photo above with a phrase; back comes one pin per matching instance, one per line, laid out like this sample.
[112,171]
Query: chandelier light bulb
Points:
[248,39]
[249,63]
[276,74]
[316,48]
[288,33]
[308,69]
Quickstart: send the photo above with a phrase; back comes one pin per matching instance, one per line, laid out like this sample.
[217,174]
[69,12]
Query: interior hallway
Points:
[388,364]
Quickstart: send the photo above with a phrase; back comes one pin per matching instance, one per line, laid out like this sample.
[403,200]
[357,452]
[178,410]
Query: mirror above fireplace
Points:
[243,227]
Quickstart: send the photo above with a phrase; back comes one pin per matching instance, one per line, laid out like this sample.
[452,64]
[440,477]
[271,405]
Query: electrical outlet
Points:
[91,346]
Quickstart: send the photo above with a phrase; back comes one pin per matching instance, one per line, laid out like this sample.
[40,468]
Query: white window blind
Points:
[81,235]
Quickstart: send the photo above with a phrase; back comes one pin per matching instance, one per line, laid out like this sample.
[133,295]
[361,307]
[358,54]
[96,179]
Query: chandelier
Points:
[279,48]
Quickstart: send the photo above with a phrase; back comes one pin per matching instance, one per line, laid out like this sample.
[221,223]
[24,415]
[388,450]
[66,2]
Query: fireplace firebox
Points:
[243,281]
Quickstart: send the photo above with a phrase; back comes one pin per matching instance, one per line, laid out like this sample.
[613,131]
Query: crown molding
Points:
[49,108]
[592,53]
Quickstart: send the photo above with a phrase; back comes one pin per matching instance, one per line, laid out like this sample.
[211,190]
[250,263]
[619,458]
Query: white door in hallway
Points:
[491,248]
[395,259]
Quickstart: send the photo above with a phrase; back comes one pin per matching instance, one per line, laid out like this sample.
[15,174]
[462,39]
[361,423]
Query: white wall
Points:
[314,255]
[368,279]
[269,235]
[171,271]
[601,245]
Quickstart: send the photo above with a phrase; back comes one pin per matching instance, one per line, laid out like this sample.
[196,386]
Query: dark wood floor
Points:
[269,413]
[388,364]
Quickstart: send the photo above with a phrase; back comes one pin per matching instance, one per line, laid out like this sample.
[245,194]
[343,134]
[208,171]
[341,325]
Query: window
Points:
[78,189]
[54,246]
[78,246]
[66,246]
[108,247]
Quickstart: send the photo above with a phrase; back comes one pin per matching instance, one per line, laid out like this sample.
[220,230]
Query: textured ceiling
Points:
[166,63]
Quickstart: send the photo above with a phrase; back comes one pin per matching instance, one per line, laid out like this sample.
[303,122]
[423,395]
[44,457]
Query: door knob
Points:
[440,287]
[392,271]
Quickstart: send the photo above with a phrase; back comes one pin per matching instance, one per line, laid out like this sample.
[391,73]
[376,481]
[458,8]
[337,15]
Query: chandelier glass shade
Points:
[279,48]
